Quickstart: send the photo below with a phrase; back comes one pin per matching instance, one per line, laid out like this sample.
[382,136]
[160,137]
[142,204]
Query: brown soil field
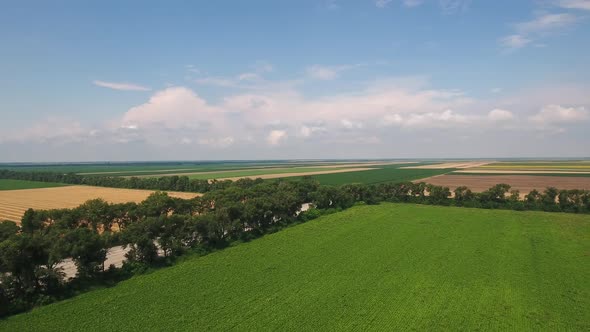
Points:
[13,203]
[461,165]
[523,183]
[286,175]
[504,171]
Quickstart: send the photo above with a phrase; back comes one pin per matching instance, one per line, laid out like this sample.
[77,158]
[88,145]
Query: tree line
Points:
[243,210]
[164,183]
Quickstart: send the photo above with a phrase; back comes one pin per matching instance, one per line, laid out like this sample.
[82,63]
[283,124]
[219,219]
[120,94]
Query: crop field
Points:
[277,172]
[167,168]
[14,203]
[140,166]
[8,184]
[383,174]
[523,183]
[385,267]
[532,167]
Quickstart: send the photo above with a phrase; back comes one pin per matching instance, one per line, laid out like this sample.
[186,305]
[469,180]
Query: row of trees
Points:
[31,252]
[164,183]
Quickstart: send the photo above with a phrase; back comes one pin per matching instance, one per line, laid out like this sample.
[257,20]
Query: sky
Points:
[305,79]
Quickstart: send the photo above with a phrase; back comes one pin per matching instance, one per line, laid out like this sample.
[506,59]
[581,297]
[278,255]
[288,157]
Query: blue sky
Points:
[140,80]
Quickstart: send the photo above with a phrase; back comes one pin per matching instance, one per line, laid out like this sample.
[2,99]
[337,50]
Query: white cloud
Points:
[382,3]
[445,119]
[223,142]
[540,26]
[574,4]
[557,114]
[351,124]
[500,115]
[546,22]
[120,86]
[309,131]
[496,90]
[514,41]
[276,136]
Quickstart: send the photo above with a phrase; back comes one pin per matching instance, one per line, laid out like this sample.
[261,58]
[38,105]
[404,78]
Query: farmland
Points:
[14,203]
[8,184]
[523,183]
[391,266]
[270,171]
[581,167]
[382,174]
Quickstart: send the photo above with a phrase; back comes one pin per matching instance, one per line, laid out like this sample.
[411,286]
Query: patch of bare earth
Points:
[504,171]
[13,203]
[286,175]
[523,183]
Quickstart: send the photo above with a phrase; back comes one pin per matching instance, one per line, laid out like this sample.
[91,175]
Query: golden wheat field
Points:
[13,203]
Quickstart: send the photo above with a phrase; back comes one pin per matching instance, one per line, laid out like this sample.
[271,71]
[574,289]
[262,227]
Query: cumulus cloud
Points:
[176,107]
[444,119]
[276,136]
[121,86]
[557,114]
[500,115]
[252,121]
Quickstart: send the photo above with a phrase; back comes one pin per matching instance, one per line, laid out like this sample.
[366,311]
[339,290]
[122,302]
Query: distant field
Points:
[256,172]
[384,174]
[536,166]
[512,172]
[8,184]
[523,183]
[13,204]
[388,267]
[130,170]
[164,169]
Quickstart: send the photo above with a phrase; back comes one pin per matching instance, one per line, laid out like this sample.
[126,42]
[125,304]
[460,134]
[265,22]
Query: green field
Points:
[392,173]
[7,184]
[164,168]
[257,172]
[140,169]
[386,267]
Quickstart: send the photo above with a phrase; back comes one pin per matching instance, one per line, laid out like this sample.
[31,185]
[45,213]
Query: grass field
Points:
[256,172]
[383,174]
[8,184]
[386,267]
